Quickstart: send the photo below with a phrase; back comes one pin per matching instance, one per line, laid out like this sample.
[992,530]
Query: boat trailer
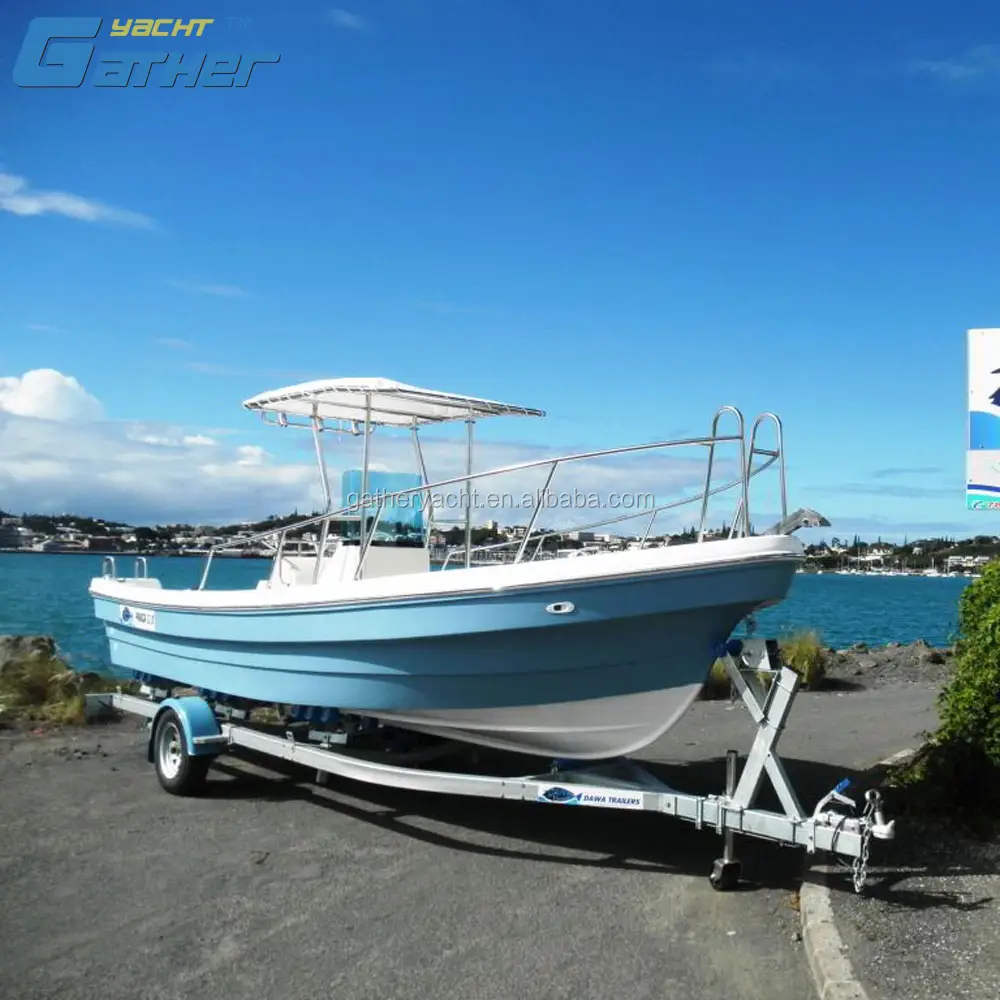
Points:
[188,731]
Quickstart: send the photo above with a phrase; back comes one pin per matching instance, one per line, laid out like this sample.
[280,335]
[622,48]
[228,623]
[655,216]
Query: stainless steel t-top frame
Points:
[359,406]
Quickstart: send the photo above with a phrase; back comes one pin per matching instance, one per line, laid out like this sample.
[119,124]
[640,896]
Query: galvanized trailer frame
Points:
[187,732]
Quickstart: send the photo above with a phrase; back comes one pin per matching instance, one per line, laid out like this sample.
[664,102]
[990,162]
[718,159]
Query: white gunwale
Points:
[476,581]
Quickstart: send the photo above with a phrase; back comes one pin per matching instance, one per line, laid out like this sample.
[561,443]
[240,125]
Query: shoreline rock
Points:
[18,648]
[38,687]
[861,667]
[893,663]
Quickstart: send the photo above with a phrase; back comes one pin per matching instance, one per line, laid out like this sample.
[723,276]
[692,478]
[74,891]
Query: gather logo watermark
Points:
[544,499]
[59,52]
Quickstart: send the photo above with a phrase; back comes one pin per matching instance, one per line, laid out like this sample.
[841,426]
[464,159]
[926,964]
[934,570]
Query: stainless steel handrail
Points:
[777,453]
[615,520]
[364,503]
[711,460]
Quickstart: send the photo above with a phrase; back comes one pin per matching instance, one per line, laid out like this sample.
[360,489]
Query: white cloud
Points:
[977,64]
[56,455]
[49,394]
[146,472]
[251,454]
[221,291]
[153,439]
[19,198]
[345,19]
[160,436]
[173,343]
[649,478]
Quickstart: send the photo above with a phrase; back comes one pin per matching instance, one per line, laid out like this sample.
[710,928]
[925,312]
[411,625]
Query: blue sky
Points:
[626,214]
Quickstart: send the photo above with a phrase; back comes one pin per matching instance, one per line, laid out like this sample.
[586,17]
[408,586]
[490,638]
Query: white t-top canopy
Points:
[391,403]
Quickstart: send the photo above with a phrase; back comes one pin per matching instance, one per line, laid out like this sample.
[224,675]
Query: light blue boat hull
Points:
[650,632]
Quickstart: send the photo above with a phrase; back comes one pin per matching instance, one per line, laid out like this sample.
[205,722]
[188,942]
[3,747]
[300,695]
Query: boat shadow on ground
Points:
[606,838]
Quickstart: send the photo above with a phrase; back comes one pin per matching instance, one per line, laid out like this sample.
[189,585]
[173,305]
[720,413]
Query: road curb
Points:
[832,972]
[831,969]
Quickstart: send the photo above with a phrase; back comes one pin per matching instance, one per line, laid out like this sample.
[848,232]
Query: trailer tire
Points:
[178,772]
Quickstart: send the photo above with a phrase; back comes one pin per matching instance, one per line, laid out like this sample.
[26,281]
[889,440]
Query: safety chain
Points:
[860,866]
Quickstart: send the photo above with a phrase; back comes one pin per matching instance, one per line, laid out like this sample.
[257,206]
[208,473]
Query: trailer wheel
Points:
[178,772]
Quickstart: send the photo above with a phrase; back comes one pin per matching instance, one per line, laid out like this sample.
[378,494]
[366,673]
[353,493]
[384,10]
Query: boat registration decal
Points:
[581,795]
[138,618]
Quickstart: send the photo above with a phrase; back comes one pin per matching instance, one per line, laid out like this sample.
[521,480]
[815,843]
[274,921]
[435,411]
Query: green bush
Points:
[803,652]
[970,703]
[956,775]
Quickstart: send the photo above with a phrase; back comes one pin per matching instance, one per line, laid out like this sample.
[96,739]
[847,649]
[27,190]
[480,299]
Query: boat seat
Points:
[392,560]
[295,571]
[342,563]
[382,560]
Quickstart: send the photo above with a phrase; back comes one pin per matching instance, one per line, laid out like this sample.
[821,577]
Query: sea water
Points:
[46,594]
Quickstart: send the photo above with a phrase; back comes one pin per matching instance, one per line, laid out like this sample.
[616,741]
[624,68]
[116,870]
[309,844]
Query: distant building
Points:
[101,543]
[12,535]
[55,545]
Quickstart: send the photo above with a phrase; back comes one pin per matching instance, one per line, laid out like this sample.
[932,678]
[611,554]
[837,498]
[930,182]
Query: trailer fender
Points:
[202,733]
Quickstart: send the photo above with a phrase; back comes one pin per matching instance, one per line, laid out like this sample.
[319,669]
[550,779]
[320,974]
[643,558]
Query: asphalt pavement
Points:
[272,885]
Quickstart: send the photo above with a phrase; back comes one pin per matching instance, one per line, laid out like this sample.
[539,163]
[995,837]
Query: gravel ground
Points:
[272,883]
[894,665]
[269,884]
[929,925]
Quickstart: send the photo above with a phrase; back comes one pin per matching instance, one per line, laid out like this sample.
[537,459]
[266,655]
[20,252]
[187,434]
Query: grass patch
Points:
[717,684]
[803,652]
[266,714]
[42,688]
